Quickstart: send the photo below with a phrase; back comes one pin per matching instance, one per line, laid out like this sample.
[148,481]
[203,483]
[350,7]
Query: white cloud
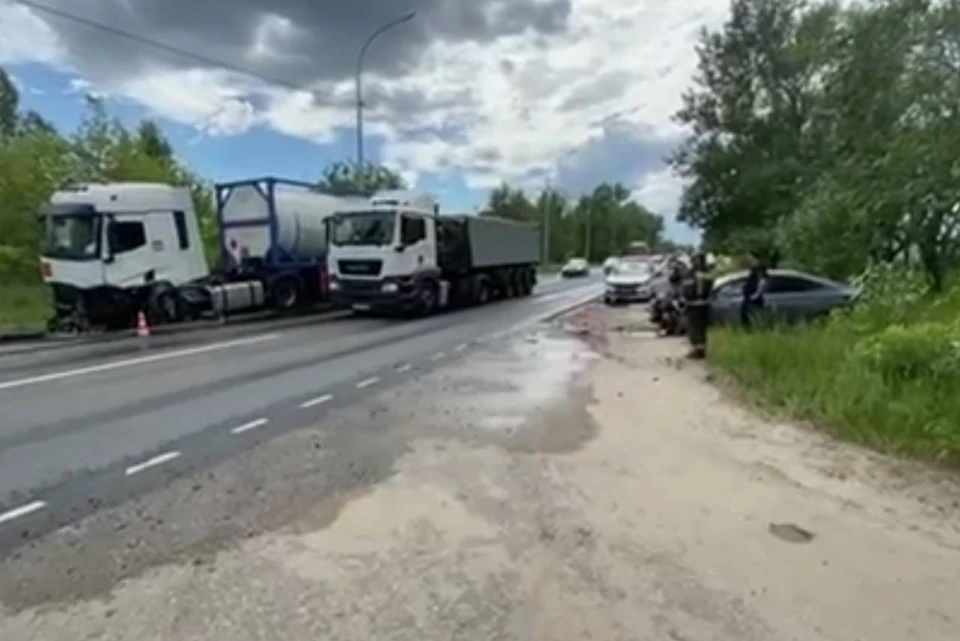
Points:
[518,104]
[660,193]
[26,38]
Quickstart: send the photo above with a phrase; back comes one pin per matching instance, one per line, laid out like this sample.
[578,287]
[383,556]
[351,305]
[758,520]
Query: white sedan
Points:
[630,282]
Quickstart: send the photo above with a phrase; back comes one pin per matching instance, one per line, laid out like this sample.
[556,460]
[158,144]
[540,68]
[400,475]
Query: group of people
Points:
[694,285]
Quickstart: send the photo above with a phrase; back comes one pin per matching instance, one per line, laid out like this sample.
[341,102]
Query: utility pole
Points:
[358,78]
[546,200]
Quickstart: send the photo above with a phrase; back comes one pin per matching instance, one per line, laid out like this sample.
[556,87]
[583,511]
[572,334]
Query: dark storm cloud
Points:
[326,37]
[623,152]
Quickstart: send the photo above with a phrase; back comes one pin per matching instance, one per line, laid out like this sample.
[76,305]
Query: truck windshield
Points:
[364,228]
[72,236]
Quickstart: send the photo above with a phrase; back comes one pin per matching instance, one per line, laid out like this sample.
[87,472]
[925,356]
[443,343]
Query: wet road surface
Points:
[85,426]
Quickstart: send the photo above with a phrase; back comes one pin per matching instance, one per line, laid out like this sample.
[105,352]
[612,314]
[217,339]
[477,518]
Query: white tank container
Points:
[300,217]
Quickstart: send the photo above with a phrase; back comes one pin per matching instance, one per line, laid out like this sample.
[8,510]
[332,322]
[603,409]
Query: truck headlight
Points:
[389,288]
[334,286]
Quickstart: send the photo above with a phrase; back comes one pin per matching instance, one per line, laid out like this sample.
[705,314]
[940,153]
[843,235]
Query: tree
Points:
[343,178]
[751,151]
[9,102]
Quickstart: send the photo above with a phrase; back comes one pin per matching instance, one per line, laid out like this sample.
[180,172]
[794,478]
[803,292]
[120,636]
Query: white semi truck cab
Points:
[396,253]
[110,250]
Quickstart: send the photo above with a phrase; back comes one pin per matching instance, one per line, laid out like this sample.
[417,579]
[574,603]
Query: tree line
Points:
[825,133]
[594,226]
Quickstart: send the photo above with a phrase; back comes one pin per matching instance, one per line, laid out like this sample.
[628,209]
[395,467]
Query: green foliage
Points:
[826,131]
[884,375]
[596,225]
[349,179]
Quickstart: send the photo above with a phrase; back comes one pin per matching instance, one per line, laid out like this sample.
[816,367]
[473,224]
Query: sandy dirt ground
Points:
[586,484]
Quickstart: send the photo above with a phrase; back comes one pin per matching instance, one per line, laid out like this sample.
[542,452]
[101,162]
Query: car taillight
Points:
[45,269]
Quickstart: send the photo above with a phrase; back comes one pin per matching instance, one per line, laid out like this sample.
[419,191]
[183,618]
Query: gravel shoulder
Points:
[560,485]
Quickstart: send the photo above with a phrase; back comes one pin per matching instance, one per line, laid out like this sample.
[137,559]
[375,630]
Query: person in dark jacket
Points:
[754,290]
[698,289]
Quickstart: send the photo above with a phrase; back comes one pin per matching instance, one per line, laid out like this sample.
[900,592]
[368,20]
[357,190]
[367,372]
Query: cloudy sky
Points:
[468,93]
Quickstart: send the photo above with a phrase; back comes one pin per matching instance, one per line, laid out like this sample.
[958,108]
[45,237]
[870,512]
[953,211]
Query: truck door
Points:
[419,252]
[129,255]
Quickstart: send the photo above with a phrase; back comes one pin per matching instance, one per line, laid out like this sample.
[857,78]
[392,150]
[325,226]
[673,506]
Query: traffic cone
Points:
[143,328]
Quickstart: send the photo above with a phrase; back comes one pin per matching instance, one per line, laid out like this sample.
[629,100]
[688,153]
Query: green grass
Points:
[881,377]
[24,307]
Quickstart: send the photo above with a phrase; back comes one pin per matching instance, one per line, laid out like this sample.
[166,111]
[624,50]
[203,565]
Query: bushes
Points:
[886,374]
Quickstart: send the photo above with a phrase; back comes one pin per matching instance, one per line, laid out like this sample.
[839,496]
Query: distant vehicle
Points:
[630,282]
[111,251]
[792,296]
[396,253]
[610,265]
[638,249]
[575,267]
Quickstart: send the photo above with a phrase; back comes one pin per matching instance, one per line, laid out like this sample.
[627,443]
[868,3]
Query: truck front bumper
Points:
[373,294]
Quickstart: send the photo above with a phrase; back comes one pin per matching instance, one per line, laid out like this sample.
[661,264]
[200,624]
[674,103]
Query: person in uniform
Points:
[697,291]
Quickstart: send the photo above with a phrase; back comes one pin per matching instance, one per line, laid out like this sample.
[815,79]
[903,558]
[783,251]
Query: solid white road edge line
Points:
[156,460]
[368,382]
[246,427]
[316,401]
[163,356]
[23,510]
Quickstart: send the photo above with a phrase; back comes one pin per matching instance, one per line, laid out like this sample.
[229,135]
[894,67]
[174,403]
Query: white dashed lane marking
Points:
[246,427]
[153,462]
[406,367]
[313,402]
[373,380]
[23,510]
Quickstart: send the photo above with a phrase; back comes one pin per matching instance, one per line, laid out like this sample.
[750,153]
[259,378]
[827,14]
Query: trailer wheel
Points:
[285,293]
[529,281]
[483,292]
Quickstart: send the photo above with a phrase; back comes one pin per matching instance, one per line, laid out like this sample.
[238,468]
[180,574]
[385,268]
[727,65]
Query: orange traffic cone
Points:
[143,328]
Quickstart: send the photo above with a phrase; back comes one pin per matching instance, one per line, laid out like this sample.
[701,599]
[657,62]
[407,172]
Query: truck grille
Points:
[360,267]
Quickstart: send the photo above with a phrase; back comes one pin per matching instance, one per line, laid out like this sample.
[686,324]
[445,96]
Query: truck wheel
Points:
[163,306]
[428,300]
[169,307]
[285,294]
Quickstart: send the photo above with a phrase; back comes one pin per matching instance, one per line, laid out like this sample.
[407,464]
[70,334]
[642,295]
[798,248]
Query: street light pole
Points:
[358,79]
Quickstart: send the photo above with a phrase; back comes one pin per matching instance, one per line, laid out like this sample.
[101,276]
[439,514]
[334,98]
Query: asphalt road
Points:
[84,426]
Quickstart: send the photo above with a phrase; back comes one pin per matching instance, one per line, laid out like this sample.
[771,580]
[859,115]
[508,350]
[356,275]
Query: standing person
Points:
[754,289]
[697,291]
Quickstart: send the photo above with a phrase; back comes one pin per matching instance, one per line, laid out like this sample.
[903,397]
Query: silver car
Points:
[630,282]
[791,296]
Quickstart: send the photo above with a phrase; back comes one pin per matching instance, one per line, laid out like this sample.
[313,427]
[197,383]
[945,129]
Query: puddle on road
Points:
[527,393]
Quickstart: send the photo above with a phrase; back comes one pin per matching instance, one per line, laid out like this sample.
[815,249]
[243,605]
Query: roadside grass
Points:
[24,307]
[886,375]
